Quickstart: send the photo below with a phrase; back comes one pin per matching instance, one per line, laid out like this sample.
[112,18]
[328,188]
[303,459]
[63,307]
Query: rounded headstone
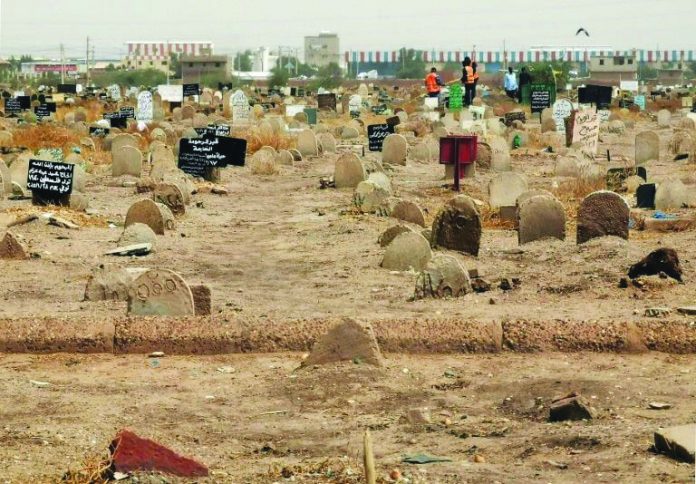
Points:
[458,226]
[307,143]
[540,217]
[395,149]
[160,292]
[504,189]
[408,212]
[349,171]
[601,214]
[407,251]
[137,233]
[127,160]
[146,212]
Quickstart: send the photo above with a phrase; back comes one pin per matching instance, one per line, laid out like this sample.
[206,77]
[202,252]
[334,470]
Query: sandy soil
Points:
[250,417]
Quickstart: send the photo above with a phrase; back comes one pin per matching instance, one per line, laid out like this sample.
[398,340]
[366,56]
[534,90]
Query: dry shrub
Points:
[94,110]
[490,219]
[256,141]
[46,136]
[95,469]
[571,192]
[262,165]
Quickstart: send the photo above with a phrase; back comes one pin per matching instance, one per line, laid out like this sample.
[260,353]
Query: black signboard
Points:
[540,98]
[191,90]
[174,104]
[394,120]
[116,120]
[515,116]
[51,106]
[42,111]
[50,181]
[327,101]
[12,106]
[645,195]
[67,88]
[42,98]
[376,134]
[127,112]
[593,94]
[214,130]
[25,102]
[98,131]
[199,155]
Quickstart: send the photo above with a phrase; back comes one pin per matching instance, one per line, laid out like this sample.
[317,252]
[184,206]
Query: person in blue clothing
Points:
[510,84]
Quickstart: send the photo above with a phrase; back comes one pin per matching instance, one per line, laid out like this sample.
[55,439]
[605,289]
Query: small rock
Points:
[418,416]
[687,310]
[135,249]
[395,474]
[479,459]
[677,442]
[480,285]
[62,223]
[40,384]
[570,407]
[659,406]
[156,354]
[657,312]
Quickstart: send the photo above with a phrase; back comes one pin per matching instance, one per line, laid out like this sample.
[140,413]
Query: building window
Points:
[601,62]
[619,61]
[164,63]
[190,64]
[630,62]
[152,63]
[217,64]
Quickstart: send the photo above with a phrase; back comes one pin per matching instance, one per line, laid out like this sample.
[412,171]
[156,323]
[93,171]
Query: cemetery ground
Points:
[258,418]
[284,259]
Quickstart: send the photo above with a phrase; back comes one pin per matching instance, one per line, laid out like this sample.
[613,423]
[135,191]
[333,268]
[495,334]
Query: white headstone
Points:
[145,110]
[561,110]
[241,112]
[586,131]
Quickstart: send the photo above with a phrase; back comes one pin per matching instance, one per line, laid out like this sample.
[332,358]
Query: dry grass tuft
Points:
[95,469]
[263,166]
[490,219]
[46,136]
[571,193]
[257,141]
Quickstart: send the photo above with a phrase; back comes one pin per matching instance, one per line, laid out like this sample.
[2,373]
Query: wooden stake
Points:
[369,459]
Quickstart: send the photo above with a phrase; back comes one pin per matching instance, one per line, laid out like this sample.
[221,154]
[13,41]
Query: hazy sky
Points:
[39,26]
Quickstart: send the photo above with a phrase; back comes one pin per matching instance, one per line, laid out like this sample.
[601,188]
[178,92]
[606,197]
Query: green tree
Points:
[279,77]
[550,73]
[691,69]
[175,65]
[140,77]
[412,64]
[328,77]
[646,72]
[242,61]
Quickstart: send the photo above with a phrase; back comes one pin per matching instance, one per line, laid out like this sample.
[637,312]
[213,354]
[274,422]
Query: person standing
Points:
[510,84]
[474,67]
[525,79]
[433,83]
[468,80]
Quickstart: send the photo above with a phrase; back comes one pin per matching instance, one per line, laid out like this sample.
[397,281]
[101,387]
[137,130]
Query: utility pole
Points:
[87,63]
[62,64]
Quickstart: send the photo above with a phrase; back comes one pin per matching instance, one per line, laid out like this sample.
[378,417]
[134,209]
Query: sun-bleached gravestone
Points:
[284,157]
[6,182]
[601,214]
[647,147]
[421,152]
[145,111]
[500,154]
[408,211]
[349,171]
[328,142]
[127,160]
[111,283]
[114,92]
[504,189]
[540,217]
[151,214]
[458,226]
[137,234]
[664,118]
[395,149]
[370,197]
[444,276]
[170,195]
[348,340]
[407,251]
[671,194]
[121,140]
[562,109]
[187,112]
[241,111]
[307,143]
[160,292]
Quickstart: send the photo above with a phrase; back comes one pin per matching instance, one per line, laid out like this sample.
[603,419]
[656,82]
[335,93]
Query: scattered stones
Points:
[408,251]
[349,340]
[571,407]
[602,213]
[458,226]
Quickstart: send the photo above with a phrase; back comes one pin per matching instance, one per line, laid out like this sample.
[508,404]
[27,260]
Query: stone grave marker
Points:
[395,149]
[458,226]
[160,292]
[504,189]
[349,171]
[145,111]
[601,214]
[540,217]
[127,160]
[647,147]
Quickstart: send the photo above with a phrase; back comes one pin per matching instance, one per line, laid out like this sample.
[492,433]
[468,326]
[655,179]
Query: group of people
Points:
[469,79]
[512,87]
[434,84]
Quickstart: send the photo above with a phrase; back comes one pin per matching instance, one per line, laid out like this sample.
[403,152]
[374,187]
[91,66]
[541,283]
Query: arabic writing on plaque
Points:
[50,176]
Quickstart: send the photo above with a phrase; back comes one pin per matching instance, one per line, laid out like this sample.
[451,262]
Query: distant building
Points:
[72,68]
[157,55]
[195,66]
[322,50]
[614,68]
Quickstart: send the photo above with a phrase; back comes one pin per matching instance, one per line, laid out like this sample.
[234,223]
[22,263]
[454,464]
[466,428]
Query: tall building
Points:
[321,50]
[156,55]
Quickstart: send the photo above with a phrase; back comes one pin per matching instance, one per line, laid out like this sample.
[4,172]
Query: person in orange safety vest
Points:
[433,83]
[468,80]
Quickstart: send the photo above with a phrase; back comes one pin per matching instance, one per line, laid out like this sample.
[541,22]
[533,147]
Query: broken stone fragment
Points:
[571,407]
